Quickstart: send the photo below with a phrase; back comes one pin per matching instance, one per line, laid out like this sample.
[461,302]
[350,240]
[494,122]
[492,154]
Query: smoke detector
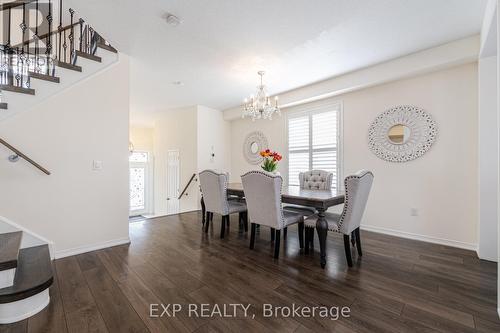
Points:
[172,19]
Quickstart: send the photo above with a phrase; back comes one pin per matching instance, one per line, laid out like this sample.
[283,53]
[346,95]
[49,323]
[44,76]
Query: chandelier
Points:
[259,106]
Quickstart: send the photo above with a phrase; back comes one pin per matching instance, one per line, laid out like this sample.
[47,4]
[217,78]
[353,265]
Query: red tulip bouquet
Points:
[271,160]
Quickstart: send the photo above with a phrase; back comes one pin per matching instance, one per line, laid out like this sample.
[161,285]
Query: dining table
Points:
[320,200]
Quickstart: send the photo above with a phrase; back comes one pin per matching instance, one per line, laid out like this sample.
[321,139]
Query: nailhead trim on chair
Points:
[346,201]
[267,174]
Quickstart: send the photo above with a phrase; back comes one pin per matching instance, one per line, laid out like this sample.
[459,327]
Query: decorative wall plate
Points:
[402,134]
[254,143]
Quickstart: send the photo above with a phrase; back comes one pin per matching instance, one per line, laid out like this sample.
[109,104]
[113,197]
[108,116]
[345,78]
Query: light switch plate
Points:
[97,165]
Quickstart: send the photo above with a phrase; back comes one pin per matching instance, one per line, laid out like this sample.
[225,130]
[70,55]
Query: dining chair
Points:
[209,216]
[263,197]
[312,180]
[357,190]
[214,191]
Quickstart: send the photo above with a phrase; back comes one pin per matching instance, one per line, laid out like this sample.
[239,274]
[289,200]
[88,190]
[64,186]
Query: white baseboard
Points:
[154,216]
[429,239]
[89,248]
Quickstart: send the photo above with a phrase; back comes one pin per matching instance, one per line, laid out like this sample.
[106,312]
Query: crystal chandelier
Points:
[259,106]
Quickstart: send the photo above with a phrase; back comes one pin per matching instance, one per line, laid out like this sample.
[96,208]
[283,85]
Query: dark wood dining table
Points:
[321,200]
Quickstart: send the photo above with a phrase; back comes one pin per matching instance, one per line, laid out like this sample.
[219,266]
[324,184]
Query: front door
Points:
[139,183]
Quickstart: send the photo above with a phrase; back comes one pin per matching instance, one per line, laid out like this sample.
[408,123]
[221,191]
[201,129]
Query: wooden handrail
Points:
[45,35]
[24,157]
[189,183]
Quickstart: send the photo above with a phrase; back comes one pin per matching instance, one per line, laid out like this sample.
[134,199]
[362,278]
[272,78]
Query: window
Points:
[139,183]
[138,156]
[314,140]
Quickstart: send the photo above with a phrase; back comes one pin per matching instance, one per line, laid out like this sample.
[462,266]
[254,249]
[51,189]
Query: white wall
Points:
[75,207]
[442,185]
[488,159]
[142,138]
[213,137]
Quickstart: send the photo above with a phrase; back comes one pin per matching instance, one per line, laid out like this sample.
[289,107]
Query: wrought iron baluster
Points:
[18,69]
[36,39]
[86,38]
[71,39]
[60,28]
[22,55]
[8,49]
[48,50]
[65,46]
[81,34]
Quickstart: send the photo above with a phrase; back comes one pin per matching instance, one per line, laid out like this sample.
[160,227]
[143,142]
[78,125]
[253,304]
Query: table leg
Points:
[322,229]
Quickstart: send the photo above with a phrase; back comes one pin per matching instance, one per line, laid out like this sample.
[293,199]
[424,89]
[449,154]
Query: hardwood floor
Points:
[398,286]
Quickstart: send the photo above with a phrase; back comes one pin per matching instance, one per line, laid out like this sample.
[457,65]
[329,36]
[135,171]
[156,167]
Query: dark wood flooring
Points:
[398,286]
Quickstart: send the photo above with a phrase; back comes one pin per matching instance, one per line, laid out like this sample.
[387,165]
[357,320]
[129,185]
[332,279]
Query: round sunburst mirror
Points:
[402,134]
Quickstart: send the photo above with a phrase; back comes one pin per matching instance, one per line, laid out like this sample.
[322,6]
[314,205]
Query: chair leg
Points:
[308,237]
[358,241]
[353,239]
[311,239]
[277,244]
[252,236]
[203,211]
[223,226]
[228,219]
[301,235]
[211,217]
[347,248]
[285,231]
[245,221]
[207,222]
[272,234]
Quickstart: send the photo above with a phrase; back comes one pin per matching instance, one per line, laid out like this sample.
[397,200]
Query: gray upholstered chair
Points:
[209,216]
[263,197]
[312,180]
[214,189]
[316,180]
[357,189]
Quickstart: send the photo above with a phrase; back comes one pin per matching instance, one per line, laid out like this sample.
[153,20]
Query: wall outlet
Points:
[96,165]
[413,212]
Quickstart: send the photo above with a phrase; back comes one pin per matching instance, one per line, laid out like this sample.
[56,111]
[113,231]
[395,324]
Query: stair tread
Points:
[3,106]
[66,65]
[88,56]
[16,89]
[9,249]
[107,47]
[33,275]
[44,77]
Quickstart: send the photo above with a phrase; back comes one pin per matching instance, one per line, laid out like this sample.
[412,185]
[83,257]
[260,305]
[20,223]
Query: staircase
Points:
[39,60]
[25,278]
[47,48]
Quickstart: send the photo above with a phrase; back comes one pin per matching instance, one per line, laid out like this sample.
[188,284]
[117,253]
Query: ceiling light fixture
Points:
[259,106]
[178,83]
[172,19]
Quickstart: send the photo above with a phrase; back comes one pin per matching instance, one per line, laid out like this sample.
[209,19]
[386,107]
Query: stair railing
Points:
[41,48]
[187,186]
[19,154]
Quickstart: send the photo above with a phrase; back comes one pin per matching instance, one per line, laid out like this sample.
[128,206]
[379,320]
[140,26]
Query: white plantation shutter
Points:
[313,140]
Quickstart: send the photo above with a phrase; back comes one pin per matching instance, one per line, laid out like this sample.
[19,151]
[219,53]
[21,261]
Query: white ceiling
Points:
[221,44]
